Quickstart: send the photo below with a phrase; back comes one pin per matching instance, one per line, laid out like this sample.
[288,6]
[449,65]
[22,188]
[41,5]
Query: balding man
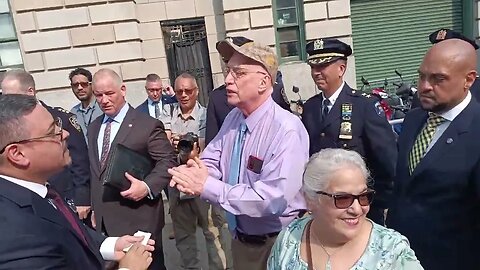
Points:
[437,187]
[140,207]
[74,181]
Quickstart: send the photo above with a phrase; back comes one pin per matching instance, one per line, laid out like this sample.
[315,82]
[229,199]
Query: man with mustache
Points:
[87,110]
[341,117]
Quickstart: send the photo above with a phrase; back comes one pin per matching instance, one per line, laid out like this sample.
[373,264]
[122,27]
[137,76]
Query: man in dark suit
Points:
[158,97]
[437,187]
[218,107]
[39,229]
[341,117]
[140,207]
[74,181]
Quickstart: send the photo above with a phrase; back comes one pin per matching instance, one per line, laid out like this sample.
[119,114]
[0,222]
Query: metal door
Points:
[187,51]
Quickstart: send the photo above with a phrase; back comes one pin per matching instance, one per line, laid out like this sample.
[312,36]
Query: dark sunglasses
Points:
[59,132]
[187,92]
[345,200]
[83,84]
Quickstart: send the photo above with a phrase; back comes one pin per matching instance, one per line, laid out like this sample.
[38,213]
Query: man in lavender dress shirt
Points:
[253,168]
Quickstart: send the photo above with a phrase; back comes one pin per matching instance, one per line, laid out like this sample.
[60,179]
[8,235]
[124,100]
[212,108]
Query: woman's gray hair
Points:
[324,164]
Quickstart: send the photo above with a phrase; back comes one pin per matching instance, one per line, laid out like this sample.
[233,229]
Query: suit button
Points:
[322,134]
[345,145]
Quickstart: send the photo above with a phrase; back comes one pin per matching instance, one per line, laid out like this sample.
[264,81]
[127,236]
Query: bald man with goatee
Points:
[437,188]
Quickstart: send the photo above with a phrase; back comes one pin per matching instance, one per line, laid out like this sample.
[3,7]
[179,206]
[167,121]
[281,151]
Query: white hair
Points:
[324,164]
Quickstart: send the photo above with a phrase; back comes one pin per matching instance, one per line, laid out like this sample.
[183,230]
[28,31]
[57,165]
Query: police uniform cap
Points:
[327,50]
[444,34]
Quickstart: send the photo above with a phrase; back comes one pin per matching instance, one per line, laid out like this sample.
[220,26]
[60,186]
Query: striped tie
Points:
[423,140]
[106,142]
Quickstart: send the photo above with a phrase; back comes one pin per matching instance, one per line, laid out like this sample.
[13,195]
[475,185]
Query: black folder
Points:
[122,159]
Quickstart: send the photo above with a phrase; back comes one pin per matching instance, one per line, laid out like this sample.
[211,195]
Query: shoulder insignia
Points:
[366,95]
[379,109]
[74,122]
[61,109]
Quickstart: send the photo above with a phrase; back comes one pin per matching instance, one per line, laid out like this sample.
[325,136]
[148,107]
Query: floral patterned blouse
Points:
[387,249]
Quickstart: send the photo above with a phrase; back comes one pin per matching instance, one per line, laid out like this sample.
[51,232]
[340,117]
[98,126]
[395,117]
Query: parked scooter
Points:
[298,104]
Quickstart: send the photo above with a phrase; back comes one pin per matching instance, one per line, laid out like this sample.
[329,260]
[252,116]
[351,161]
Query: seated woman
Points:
[337,234]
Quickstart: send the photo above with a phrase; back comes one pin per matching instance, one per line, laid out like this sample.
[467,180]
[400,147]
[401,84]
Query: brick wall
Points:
[254,19]
[57,36]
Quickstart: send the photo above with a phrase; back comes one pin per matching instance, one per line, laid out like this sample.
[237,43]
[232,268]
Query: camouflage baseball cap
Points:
[261,54]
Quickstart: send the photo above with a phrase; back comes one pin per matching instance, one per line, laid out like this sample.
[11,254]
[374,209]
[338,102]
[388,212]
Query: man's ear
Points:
[30,91]
[263,85]
[15,156]
[470,79]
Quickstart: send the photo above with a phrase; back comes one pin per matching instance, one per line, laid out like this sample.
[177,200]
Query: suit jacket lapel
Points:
[94,143]
[41,207]
[332,115]
[459,125]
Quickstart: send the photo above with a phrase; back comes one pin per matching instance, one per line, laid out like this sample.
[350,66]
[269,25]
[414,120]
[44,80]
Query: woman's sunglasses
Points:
[345,200]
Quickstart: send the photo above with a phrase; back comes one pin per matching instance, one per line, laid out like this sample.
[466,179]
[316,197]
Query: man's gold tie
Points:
[423,140]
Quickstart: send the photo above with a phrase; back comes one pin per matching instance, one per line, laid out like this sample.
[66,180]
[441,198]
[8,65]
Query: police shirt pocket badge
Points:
[254,164]
[74,122]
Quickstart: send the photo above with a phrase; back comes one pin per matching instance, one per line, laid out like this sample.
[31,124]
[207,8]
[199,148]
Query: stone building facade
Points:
[55,36]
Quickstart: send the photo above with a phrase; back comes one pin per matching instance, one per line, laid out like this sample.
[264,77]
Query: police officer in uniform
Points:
[341,117]
[74,181]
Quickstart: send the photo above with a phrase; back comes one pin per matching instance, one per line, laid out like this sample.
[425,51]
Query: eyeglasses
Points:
[238,73]
[154,90]
[83,84]
[58,123]
[187,92]
[345,200]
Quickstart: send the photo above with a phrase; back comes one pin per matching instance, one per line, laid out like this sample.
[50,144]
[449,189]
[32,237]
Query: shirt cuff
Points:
[107,249]
[150,195]
[212,190]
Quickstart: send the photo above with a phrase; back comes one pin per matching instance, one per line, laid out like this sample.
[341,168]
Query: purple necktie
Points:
[63,208]
[106,142]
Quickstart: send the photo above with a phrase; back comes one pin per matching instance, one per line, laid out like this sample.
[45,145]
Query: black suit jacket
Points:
[373,137]
[437,208]
[74,181]
[120,216]
[36,236]
[218,107]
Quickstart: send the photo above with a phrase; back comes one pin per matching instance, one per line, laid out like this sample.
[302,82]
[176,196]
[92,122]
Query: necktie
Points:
[235,163]
[423,140]
[325,104]
[157,109]
[106,142]
[59,203]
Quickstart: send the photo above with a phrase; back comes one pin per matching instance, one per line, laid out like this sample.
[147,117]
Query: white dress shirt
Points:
[107,249]
[151,107]
[449,116]
[334,97]
[115,127]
